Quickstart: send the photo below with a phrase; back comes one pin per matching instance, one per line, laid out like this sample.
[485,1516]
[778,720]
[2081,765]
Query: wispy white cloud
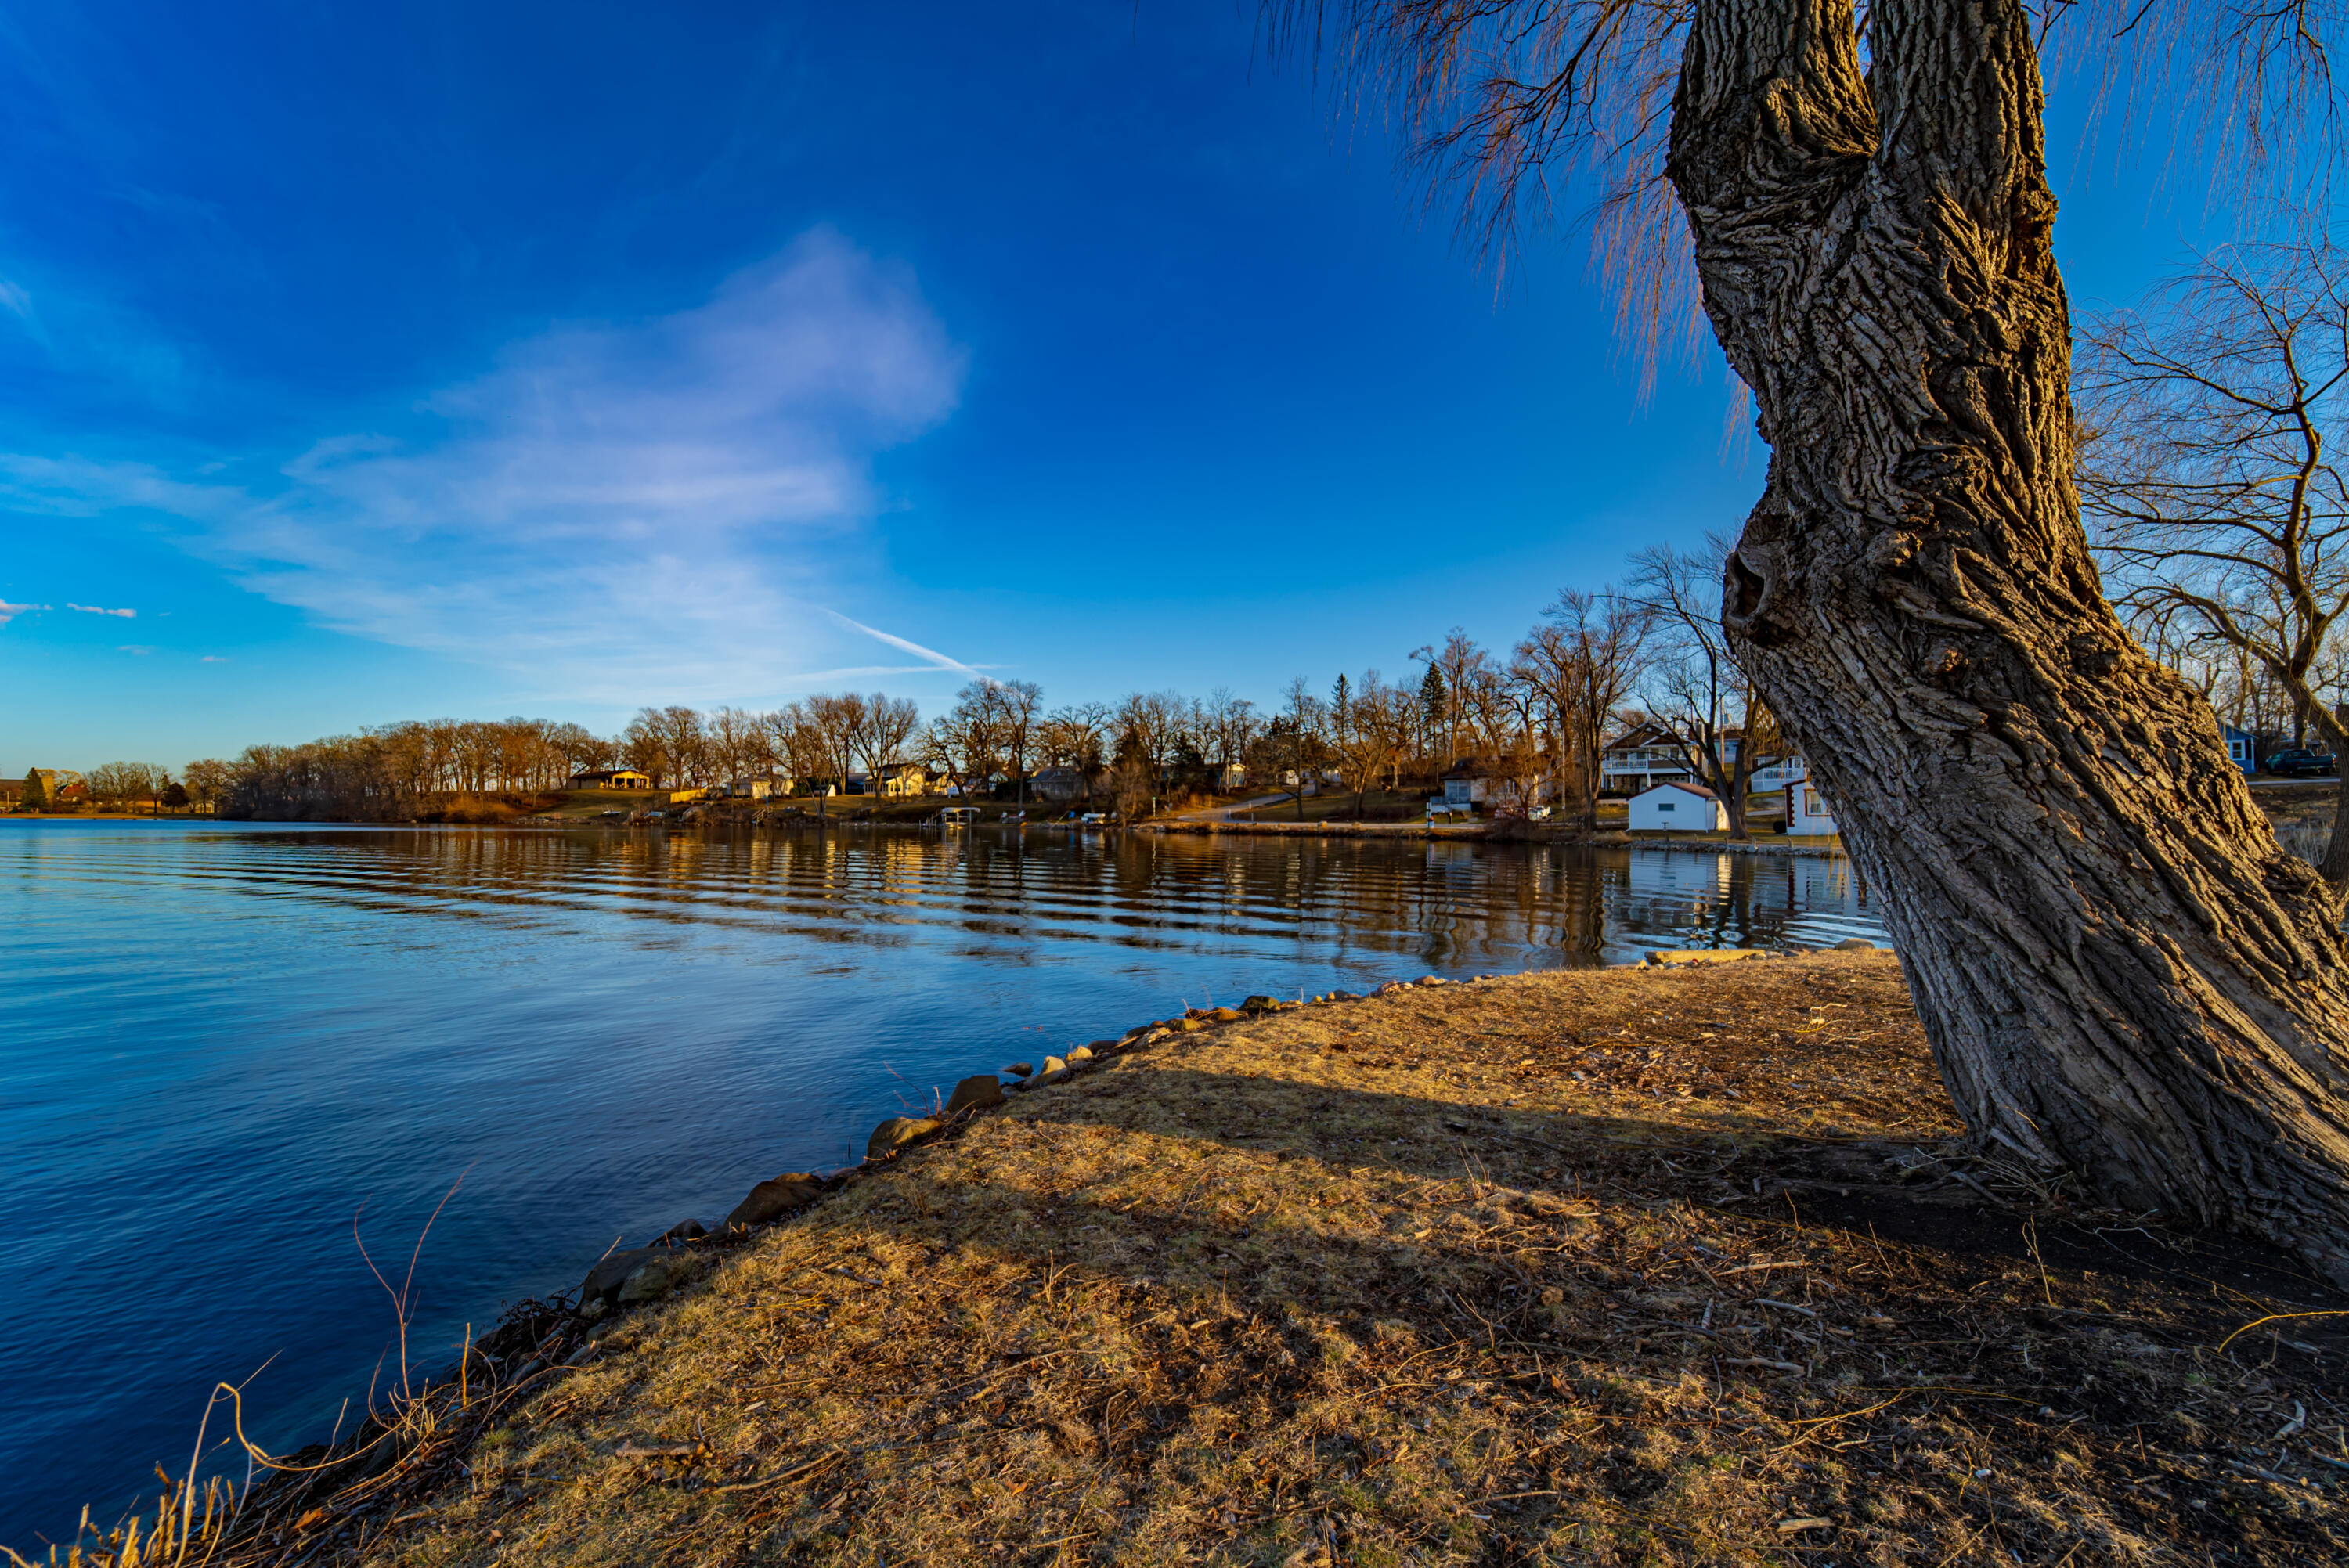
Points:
[94,610]
[633,503]
[10,612]
[139,648]
[213,659]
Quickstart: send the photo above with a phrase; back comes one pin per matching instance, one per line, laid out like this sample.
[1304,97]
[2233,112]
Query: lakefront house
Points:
[1058,786]
[1642,757]
[1482,781]
[611,779]
[1806,810]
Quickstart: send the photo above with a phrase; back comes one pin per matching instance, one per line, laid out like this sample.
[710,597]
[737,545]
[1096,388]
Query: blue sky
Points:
[360,364]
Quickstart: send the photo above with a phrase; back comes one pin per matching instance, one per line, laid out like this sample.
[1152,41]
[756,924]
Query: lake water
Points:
[219,1044]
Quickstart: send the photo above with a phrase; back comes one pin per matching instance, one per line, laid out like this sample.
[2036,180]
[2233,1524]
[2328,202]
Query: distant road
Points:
[1226,813]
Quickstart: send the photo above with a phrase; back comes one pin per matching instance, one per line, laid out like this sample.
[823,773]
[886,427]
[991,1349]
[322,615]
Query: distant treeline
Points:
[1540,712]
[1536,718]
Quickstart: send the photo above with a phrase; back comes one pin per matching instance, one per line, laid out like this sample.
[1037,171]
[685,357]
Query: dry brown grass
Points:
[1599,1267]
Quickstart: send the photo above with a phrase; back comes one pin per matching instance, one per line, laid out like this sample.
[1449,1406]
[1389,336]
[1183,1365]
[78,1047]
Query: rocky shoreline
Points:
[1681,1257]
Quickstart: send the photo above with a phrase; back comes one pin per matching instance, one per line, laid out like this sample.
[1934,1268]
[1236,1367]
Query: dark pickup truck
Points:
[2300,764]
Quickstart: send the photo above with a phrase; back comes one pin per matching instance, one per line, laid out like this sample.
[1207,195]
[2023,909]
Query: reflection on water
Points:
[217,1043]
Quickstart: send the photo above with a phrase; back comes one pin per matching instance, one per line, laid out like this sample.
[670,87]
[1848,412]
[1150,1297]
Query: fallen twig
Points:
[778,1476]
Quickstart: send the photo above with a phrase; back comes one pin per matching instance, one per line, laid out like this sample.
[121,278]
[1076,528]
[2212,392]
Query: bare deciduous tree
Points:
[1017,703]
[1075,738]
[1147,724]
[1370,729]
[1302,716]
[1587,656]
[835,724]
[734,741]
[2211,494]
[126,784]
[1229,725]
[790,738]
[966,743]
[207,780]
[890,725]
[1697,688]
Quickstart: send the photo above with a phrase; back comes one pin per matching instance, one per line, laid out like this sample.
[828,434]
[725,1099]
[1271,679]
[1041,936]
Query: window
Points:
[1667,805]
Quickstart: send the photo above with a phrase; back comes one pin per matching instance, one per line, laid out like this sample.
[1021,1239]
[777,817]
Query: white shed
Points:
[1678,809]
[1806,810]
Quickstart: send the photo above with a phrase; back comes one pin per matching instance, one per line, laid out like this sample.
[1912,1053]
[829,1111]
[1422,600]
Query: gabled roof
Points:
[1699,790]
[1647,732]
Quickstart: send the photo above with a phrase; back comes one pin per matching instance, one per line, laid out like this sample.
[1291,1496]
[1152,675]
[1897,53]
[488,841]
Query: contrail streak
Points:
[937,659]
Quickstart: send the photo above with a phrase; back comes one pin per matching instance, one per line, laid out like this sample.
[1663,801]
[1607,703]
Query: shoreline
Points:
[1131,1293]
[1614,838]
[1477,833]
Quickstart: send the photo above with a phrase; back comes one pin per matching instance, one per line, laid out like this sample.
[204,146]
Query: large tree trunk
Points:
[2121,972]
[1741,786]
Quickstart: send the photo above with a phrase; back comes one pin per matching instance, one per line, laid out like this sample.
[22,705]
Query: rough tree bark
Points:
[2121,972]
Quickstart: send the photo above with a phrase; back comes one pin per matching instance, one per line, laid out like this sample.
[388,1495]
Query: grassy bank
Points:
[1622,1266]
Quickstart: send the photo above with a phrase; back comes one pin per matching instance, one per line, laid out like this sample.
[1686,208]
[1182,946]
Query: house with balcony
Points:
[1642,757]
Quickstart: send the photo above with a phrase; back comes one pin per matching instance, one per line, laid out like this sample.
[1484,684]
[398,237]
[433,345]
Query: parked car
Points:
[2302,764]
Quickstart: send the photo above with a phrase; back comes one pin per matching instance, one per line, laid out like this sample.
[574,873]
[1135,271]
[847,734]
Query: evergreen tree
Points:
[37,793]
[1432,703]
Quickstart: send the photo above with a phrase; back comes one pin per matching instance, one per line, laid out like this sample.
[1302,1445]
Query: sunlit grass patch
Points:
[1556,1268]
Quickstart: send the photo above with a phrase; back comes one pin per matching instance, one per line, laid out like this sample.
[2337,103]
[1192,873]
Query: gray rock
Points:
[684,1231]
[771,1200]
[975,1094]
[1053,1069]
[1432,980]
[1021,1069]
[897,1133]
[1082,1054]
[1855,944]
[1100,1046]
[1260,1004]
[649,1281]
[605,1278]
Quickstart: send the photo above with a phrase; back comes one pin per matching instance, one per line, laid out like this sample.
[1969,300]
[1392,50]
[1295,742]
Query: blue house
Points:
[2242,748]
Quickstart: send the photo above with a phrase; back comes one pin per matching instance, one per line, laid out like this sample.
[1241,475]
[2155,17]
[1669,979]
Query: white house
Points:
[1481,781]
[1806,810]
[1650,754]
[1779,772]
[1642,757]
[1463,788]
[1678,809]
